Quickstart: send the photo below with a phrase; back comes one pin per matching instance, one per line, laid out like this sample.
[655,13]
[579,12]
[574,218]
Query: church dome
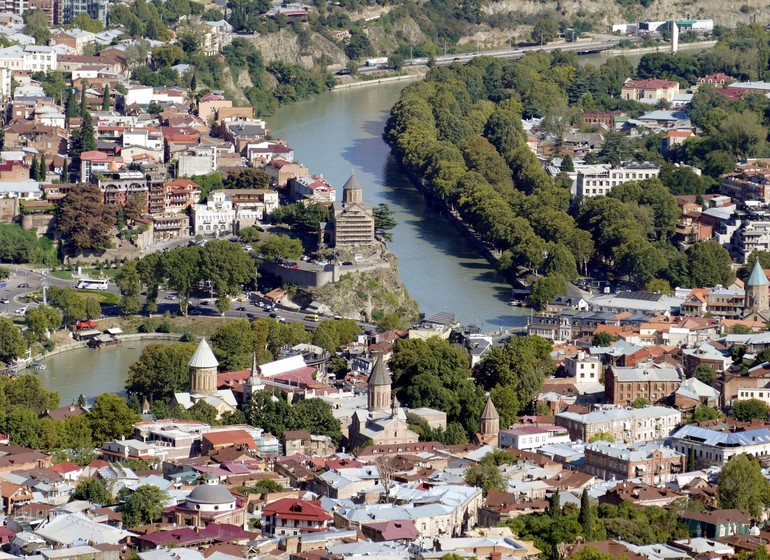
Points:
[211,494]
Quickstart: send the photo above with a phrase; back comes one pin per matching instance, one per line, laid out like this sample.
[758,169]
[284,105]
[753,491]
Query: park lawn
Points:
[104,298]
[89,272]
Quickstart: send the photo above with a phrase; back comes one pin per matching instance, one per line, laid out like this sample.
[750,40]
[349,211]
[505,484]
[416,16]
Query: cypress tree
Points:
[584,517]
[691,460]
[71,104]
[43,169]
[194,82]
[83,106]
[554,507]
[33,170]
[106,100]
[66,170]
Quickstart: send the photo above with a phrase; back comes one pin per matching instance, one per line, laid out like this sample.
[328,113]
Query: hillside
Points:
[369,295]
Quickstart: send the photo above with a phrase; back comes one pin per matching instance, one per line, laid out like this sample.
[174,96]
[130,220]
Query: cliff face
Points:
[284,45]
[606,12]
[369,295]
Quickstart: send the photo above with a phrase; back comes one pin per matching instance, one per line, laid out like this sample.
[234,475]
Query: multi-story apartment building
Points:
[652,463]
[97,9]
[217,35]
[627,425]
[599,180]
[118,186]
[714,448]
[749,181]
[752,236]
[624,385]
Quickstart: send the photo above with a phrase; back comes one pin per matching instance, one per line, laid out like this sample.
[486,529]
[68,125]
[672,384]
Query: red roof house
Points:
[292,516]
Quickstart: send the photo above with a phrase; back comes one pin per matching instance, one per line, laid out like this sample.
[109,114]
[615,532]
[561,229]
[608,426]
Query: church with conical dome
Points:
[203,383]
[351,222]
[383,421]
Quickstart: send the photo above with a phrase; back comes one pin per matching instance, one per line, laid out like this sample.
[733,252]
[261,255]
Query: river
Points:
[338,133]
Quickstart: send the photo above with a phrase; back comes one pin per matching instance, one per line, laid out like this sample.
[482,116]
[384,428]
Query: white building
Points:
[530,438]
[754,393]
[24,190]
[601,179]
[626,425]
[226,211]
[218,34]
[753,236]
[39,59]
[713,447]
[584,368]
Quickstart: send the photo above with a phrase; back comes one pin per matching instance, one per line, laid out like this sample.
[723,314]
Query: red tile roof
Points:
[230,437]
[294,508]
[653,83]
[66,467]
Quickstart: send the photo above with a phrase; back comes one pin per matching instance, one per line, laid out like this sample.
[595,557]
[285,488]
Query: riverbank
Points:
[664,48]
[376,81]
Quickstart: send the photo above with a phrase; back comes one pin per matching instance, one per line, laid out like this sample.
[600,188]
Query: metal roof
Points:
[203,357]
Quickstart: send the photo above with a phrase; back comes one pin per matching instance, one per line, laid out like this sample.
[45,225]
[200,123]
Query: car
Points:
[21,311]
[343,72]
[294,266]
[23,285]
[281,319]
[4,300]
[337,317]
[241,308]
[172,297]
[322,262]
[347,263]
[204,302]
[456,58]
[250,315]
[273,315]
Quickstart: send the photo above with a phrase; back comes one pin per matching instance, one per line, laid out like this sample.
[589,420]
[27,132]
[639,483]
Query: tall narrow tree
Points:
[33,169]
[71,104]
[65,171]
[83,105]
[584,517]
[43,172]
[106,99]
[554,505]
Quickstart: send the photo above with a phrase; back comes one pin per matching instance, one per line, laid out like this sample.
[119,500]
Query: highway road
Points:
[593,46]
[25,280]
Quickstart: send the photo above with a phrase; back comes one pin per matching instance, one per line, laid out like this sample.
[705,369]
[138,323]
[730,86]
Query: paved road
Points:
[593,46]
[200,305]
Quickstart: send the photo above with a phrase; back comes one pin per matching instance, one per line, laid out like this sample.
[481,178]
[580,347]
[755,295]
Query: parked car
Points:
[281,319]
[23,285]
[21,311]
[4,300]
[241,308]
[172,297]
[273,315]
[250,315]
[347,263]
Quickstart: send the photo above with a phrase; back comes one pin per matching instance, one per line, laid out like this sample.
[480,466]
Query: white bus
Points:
[92,285]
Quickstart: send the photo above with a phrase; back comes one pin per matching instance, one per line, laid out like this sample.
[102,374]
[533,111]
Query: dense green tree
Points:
[183,267]
[36,24]
[432,373]
[703,413]
[129,282]
[110,418]
[314,415]
[704,373]
[142,506]
[709,264]
[92,490]
[545,30]
[333,333]
[741,485]
[753,409]
[41,320]
[515,372]
[12,342]
[228,266]
[84,219]
[545,289]
[160,371]
[485,476]
[268,411]
[233,345]
[280,247]
[603,339]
